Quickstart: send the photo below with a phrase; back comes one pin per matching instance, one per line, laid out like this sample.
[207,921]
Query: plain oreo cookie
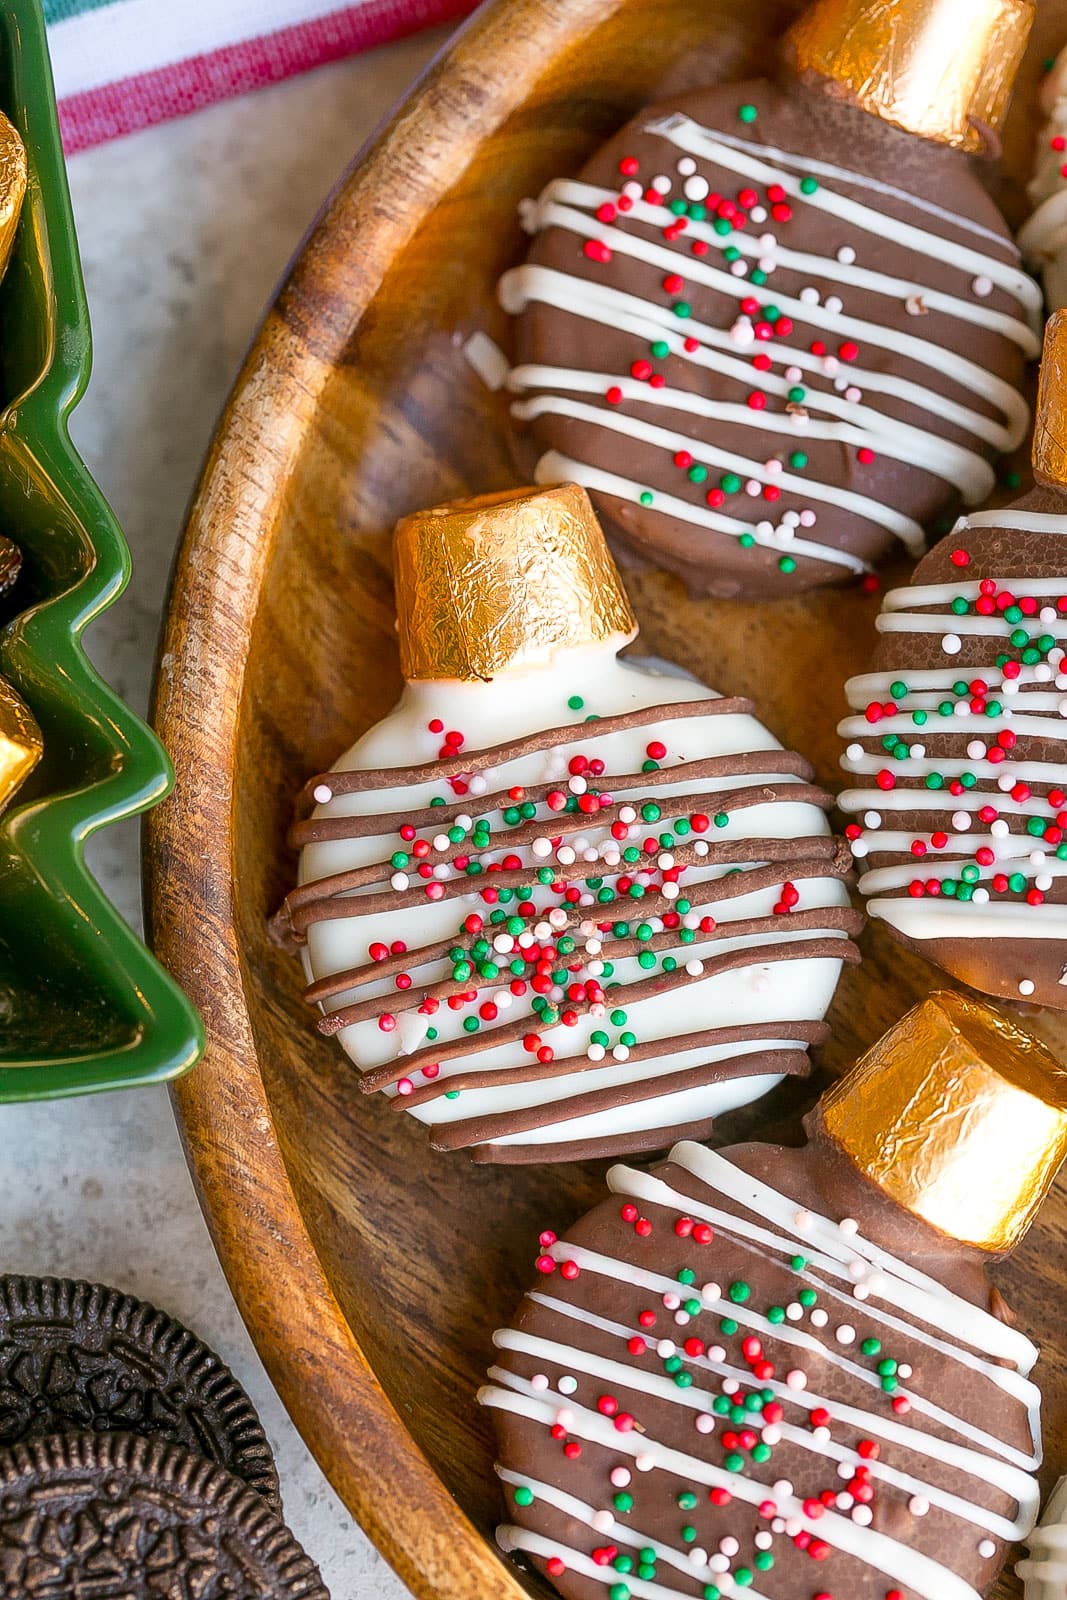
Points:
[123,1516]
[78,1357]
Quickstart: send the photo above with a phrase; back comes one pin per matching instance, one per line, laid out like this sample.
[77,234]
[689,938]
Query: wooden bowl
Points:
[371,1271]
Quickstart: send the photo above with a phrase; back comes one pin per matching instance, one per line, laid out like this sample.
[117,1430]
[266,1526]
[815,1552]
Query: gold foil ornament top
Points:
[943,69]
[20,742]
[12,187]
[1050,429]
[503,581]
[959,1116]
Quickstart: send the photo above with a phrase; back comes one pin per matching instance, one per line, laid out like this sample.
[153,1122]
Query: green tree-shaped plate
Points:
[83,1006]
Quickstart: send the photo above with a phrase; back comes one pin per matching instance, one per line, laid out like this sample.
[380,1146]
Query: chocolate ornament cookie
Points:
[785,1373]
[777,328]
[560,904]
[123,1518]
[958,742]
[79,1357]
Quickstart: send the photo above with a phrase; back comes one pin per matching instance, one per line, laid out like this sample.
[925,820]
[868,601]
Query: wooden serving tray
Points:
[371,1271]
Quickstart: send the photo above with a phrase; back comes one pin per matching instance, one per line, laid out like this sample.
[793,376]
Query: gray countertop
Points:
[184,230]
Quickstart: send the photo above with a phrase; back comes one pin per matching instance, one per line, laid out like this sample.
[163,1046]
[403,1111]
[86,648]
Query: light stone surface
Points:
[184,231]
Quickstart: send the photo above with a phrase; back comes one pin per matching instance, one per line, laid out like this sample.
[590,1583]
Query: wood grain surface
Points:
[370,1270]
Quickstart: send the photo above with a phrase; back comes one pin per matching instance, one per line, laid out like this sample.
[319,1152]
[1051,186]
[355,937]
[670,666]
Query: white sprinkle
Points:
[644,1462]
[476,783]
[846,255]
[980,897]
[730,1386]
[918,1505]
[845,1334]
[695,969]
[783,1488]
[849,1225]
[859,848]
[686,165]
[753,488]
[802,1221]
[794,1311]
[809,295]
[1043,881]
[399,881]
[952,644]
[961,821]
[670,891]
[771,1435]
[778,1525]
[704,1422]
[987,1549]
[844,1501]
[729,1546]
[904,1371]
[718,1563]
[698,1557]
[539,1381]
[711,1291]
[861,1292]
[758,214]
[442,871]
[565,855]
[793,374]
[620,1477]
[982,286]
[322,793]
[844,1470]
[797,1379]
[872,819]
[441,841]
[807,518]
[999,829]
[1026,986]
[595,1052]
[632,189]
[671,1302]
[627,814]
[621,1053]
[661,183]
[603,1521]
[862,1515]
[819,1317]
[793,1526]
[853,395]
[854,752]
[739,268]
[564,1416]
[697,188]
[577,785]
[831,366]
[976,750]
[567,1384]
[742,333]
[834,304]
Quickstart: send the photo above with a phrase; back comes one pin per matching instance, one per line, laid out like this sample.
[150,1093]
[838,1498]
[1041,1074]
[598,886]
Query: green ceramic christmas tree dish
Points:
[83,1006]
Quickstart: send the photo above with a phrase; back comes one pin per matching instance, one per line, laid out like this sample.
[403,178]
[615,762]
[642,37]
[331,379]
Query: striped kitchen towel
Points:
[124,64]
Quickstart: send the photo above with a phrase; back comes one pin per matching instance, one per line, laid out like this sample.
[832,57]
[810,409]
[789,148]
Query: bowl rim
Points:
[42,653]
[325,1380]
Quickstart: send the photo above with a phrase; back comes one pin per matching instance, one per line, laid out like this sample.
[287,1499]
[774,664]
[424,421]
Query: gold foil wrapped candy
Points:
[12,187]
[943,69]
[1050,429]
[20,742]
[499,582]
[959,1116]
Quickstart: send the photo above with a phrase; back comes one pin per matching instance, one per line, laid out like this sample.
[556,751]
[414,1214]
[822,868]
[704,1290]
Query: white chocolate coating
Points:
[1043,236]
[767,990]
[1044,1571]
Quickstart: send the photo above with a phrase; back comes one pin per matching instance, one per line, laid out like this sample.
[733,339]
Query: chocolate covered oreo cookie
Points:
[78,1357]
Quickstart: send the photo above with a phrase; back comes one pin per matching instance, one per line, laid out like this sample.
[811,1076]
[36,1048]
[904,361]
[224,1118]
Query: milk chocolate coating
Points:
[994,966]
[823,1179]
[804,121]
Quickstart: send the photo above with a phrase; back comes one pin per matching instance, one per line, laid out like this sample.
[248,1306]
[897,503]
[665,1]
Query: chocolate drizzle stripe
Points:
[810,1033]
[421,955]
[458,1135]
[359,782]
[739,851]
[838,918]
[623,1144]
[831,948]
[725,802]
[319,830]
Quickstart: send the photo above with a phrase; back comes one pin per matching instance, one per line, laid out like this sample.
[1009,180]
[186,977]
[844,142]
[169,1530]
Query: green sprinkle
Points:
[618,1591]
[687,1500]
[798,1263]
[697,474]
[728,1327]
[739,1292]
[808,185]
[761,1452]
[682,308]
[807,1297]
[797,394]
[747,113]
[746,541]
[776,1315]
[623,1501]
[734,1461]
[689,1533]
[646,960]
[438,800]
[712,1592]
[758,277]
[743,1576]
[451,1094]
[720,1405]
[524,1496]
[798,460]
[787,564]
[618,1019]
[470,1024]
[661,349]
[646,497]
[729,483]
[887,1368]
[623,1563]
[650,811]
[871,1347]
[721,819]
[576,703]
[687,1276]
